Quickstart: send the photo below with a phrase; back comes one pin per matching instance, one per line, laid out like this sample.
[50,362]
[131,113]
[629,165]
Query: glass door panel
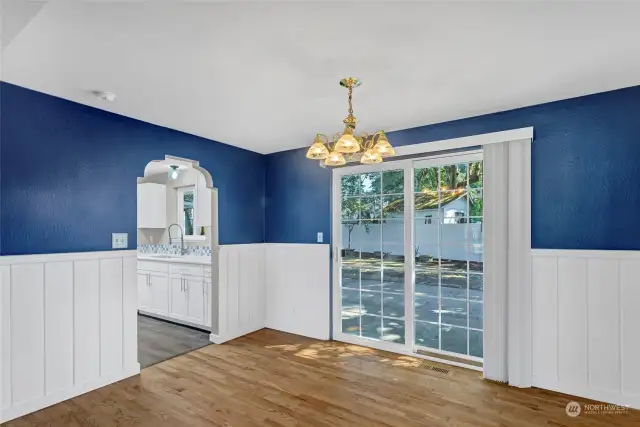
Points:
[372,255]
[410,267]
[448,257]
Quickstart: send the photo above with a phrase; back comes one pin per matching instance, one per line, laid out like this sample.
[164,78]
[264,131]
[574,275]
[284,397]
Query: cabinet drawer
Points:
[160,267]
[186,269]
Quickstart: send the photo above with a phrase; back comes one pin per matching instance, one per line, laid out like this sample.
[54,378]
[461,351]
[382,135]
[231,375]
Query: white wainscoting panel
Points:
[298,289]
[241,291]
[58,326]
[86,314]
[68,325]
[586,318]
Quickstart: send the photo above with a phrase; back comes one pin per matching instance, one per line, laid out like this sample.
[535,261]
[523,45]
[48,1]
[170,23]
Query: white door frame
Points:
[408,166]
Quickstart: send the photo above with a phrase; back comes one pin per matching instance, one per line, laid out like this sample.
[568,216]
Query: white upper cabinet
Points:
[203,203]
[152,205]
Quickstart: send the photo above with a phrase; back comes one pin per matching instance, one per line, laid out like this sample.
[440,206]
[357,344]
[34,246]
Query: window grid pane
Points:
[372,215]
[451,198]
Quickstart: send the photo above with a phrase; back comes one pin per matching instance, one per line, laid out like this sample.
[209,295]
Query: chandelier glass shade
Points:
[335,159]
[371,148]
[370,157]
[318,150]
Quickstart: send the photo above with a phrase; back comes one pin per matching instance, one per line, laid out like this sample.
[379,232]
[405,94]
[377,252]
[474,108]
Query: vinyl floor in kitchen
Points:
[159,340]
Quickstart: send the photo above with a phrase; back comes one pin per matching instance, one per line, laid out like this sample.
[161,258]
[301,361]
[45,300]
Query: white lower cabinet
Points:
[159,293]
[144,291]
[195,299]
[179,292]
[152,292]
[179,308]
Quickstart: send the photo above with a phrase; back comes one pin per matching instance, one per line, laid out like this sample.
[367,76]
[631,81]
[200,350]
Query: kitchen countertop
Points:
[186,259]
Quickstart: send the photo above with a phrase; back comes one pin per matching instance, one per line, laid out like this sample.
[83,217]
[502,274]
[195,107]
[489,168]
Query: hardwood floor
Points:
[271,378]
[159,340]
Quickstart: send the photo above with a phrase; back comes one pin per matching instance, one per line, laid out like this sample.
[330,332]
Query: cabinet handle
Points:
[148,279]
[182,284]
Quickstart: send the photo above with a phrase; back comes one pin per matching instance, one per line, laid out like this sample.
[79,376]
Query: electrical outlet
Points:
[119,240]
[320,238]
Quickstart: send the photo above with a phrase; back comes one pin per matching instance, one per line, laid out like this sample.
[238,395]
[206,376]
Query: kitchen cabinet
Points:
[159,285]
[195,299]
[152,205]
[144,291]
[176,291]
[153,292]
[179,307]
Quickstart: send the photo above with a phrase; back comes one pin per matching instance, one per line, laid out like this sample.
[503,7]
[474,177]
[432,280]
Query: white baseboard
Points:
[600,395]
[220,339]
[51,399]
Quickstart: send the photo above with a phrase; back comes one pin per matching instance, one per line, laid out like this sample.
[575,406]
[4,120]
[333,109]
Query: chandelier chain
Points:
[350,105]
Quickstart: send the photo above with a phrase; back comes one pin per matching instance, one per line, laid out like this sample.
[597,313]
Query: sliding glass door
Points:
[372,270]
[448,249]
[408,265]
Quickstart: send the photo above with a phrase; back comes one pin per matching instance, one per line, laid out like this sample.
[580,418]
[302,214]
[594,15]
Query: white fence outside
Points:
[459,241]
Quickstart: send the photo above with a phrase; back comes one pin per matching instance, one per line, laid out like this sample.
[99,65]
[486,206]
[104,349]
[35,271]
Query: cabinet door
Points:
[144,291]
[152,202]
[179,307]
[160,294]
[195,299]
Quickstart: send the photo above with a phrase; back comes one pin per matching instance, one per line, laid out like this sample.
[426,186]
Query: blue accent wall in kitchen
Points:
[585,173]
[68,175]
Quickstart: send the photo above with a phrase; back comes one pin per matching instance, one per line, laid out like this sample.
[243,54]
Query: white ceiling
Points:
[264,76]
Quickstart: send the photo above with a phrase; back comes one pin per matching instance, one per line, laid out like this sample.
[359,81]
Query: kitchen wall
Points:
[187,177]
[585,173]
[68,175]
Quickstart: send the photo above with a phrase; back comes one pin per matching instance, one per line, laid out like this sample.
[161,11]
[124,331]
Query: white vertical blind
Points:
[507,308]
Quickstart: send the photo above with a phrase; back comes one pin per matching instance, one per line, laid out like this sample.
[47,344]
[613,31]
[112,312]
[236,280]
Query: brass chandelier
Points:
[372,146]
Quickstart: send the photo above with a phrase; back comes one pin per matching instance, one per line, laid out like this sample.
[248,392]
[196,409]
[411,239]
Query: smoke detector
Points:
[104,96]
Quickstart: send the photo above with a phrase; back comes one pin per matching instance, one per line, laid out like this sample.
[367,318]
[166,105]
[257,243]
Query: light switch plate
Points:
[320,237]
[119,240]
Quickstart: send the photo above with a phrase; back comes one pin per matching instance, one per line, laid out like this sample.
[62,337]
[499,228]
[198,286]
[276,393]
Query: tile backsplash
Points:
[174,250]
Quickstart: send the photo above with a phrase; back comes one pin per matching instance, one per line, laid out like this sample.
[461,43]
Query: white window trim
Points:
[180,208]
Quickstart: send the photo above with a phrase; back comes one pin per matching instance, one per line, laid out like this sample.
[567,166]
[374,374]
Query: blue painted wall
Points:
[585,173]
[68,175]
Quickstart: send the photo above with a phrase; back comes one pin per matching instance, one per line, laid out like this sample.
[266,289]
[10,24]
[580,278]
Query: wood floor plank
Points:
[270,378]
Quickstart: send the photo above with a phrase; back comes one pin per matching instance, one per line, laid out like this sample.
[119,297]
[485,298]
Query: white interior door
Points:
[408,264]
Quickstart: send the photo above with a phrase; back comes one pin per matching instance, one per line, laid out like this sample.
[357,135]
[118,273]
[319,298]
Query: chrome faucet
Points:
[181,237]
